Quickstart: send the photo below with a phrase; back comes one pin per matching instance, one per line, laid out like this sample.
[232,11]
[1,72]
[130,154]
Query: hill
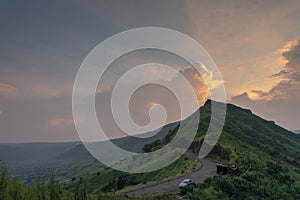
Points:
[30,152]
[265,155]
[33,162]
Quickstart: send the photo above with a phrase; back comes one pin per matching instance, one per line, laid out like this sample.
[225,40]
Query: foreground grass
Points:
[267,156]
[110,180]
[191,167]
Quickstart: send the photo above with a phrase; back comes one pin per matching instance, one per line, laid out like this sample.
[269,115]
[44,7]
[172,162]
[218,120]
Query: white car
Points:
[185,183]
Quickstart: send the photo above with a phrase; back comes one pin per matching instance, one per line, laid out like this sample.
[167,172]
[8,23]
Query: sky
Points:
[255,44]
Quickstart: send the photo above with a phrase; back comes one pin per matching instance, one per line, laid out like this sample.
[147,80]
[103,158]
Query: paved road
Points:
[208,169]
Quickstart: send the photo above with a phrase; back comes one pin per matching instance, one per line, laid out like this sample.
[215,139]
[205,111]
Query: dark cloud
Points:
[260,93]
[289,87]
[293,57]
[42,45]
[242,99]
[291,71]
[281,103]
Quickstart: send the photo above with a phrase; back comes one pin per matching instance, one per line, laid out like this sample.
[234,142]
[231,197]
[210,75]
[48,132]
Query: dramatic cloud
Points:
[289,86]
[242,37]
[291,70]
[242,99]
[38,63]
[281,101]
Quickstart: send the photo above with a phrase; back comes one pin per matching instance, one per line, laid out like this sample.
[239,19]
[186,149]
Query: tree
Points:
[55,192]
[81,191]
[41,191]
[16,190]
[4,184]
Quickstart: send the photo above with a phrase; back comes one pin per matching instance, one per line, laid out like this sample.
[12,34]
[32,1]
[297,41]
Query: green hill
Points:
[266,156]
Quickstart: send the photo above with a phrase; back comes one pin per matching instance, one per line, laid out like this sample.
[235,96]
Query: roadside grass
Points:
[191,166]
[112,181]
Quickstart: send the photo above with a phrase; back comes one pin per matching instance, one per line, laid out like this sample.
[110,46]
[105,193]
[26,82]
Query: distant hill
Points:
[129,143]
[31,152]
[31,161]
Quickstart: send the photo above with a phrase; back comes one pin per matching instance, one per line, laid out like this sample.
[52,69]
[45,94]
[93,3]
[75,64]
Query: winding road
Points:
[208,169]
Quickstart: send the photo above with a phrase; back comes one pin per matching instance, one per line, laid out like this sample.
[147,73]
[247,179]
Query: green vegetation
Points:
[272,181]
[266,154]
[16,190]
[160,143]
[111,180]
[33,162]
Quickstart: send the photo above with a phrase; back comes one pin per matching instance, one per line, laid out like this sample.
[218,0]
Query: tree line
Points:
[16,190]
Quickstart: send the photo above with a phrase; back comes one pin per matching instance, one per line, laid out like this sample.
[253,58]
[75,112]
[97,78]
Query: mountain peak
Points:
[229,105]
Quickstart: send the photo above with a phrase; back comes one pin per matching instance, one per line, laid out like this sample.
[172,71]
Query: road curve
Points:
[208,169]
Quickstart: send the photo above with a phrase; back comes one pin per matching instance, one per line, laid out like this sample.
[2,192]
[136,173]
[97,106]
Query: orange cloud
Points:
[200,88]
[288,77]
[61,122]
[7,90]
[199,84]
[151,104]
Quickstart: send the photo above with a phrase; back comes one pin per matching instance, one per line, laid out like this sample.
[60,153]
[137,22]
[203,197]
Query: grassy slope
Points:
[266,153]
[110,180]
[268,156]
